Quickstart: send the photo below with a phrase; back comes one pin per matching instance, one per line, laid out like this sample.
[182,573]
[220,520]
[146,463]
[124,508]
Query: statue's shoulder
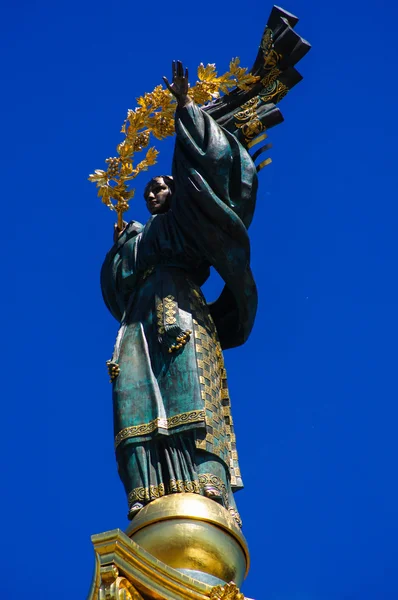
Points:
[133,228]
[131,231]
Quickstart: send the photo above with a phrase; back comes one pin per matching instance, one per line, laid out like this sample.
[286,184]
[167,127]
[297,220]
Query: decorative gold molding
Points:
[226,592]
[146,494]
[125,571]
[114,587]
[118,556]
[208,479]
[178,486]
[193,416]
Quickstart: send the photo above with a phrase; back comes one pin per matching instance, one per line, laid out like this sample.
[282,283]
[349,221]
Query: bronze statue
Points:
[173,424]
[172,413]
[174,435]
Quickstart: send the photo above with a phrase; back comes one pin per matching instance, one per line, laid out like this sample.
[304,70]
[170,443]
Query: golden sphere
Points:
[193,533]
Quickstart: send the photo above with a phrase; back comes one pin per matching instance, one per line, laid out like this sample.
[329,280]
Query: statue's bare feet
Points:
[134,510]
[213,493]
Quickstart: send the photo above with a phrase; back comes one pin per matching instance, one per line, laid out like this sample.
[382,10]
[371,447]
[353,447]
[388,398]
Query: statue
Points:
[172,415]
[173,424]
[174,435]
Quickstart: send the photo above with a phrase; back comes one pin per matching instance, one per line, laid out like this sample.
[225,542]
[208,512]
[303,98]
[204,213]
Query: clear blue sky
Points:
[314,391]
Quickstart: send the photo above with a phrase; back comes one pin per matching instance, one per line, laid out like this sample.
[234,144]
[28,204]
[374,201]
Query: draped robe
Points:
[172,419]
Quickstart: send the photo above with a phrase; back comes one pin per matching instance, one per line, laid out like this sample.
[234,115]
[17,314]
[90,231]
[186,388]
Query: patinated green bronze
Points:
[173,426]
[172,415]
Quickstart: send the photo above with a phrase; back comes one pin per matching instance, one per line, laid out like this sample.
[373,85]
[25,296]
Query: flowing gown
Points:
[172,417]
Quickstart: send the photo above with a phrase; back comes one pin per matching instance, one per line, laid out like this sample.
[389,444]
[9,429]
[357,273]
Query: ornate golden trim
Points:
[170,310]
[236,516]
[275,92]
[152,492]
[248,110]
[146,494]
[251,128]
[159,316]
[267,43]
[193,416]
[114,586]
[220,436]
[263,164]
[270,77]
[207,479]
[178,485]
[252,125]
[257,140]
[227,592]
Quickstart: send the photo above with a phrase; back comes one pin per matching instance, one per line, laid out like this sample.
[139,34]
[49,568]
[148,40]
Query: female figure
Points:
[172,418]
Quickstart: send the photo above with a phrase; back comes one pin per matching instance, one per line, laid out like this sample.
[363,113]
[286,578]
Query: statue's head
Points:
[158,194]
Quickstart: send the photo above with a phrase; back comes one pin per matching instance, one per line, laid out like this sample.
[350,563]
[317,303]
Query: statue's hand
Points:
[118,232]
[179,87]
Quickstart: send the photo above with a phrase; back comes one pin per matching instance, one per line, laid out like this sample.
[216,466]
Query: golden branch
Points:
[154,116]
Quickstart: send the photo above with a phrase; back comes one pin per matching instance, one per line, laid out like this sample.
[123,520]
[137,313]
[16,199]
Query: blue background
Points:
[314,390]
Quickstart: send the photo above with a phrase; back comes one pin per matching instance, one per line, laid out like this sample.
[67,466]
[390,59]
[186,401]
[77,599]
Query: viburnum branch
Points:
[154,116]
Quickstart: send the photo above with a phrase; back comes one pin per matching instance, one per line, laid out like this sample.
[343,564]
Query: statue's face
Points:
[157,197]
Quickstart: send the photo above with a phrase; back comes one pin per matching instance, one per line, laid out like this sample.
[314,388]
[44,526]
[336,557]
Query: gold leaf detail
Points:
[226,592]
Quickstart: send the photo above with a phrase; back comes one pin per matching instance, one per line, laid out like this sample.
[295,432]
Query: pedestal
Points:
[179,547]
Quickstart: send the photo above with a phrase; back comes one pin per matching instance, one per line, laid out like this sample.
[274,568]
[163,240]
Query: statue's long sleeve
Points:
[216,184]
[217,157]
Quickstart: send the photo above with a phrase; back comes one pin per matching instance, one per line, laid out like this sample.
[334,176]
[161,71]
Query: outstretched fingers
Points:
[179,86]
[167,83]
[180,69]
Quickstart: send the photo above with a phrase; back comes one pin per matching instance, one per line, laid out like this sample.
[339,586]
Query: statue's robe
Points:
[172,420]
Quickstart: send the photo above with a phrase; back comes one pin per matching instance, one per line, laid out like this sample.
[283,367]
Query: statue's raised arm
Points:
[180,84]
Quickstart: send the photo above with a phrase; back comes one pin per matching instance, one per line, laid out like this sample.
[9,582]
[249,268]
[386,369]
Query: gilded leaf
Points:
[126,169]
[97,176]
[143,101]
[207,73]
[234,64]
[151,156]
[125,148]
